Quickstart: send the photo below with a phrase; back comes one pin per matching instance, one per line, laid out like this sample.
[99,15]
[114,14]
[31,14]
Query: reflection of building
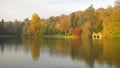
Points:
[97,35]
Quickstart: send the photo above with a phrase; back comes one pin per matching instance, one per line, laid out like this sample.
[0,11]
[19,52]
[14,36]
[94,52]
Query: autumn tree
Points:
[111,23]
[63,24]
[115,15]
[34,28]
[70,31]
[86,30]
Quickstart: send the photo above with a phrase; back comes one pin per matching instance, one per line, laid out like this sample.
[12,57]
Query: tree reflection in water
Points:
[91,51]
[34,45]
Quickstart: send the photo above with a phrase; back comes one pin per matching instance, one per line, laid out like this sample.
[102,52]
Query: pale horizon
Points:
[14,9]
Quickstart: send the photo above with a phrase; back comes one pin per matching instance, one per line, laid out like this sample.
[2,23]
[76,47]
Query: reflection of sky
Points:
[12,59]
[20,9]
[103,65]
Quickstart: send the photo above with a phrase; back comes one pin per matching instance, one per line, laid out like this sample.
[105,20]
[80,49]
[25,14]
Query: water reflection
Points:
[96,53]
[9,43]
[34,46]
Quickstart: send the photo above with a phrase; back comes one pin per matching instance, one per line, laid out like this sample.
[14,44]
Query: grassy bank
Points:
[59,36]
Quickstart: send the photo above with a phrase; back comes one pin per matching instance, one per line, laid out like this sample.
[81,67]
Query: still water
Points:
[59,53]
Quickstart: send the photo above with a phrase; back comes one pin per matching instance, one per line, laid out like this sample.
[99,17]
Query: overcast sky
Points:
[21,9]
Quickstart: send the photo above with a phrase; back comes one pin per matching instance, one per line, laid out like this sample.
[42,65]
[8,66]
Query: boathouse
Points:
[97,35]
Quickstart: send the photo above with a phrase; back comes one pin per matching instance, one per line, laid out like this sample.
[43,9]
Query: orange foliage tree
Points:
[64,24]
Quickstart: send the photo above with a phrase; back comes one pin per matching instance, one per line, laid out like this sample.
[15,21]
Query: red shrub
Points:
[77,32]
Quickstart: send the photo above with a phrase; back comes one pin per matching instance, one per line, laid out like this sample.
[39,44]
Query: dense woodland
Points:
[80,24]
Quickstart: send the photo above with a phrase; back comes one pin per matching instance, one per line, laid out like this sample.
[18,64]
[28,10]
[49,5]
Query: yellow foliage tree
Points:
[34,28]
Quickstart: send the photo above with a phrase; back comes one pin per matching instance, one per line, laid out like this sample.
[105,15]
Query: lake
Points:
[59,53]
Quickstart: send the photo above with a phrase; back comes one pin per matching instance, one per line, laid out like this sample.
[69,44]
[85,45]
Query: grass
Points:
[56,36]
[59,36]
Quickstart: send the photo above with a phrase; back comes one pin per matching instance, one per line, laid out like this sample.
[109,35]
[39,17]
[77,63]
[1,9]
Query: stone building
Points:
[97,35]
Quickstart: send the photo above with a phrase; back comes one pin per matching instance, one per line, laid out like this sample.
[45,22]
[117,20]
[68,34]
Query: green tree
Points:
[51,25]
[25,26]
[17,27]
[2,27]
[89,18]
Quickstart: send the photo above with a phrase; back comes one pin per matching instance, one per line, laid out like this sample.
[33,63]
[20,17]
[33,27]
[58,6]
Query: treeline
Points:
[80,24]
[11,28]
